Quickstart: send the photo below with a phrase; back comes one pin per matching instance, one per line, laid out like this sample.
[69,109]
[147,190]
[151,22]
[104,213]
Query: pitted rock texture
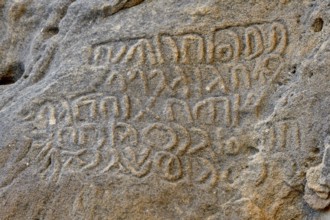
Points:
[154,109]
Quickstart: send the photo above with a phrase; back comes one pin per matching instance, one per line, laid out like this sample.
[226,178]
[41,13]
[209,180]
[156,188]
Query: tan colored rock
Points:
[176,109]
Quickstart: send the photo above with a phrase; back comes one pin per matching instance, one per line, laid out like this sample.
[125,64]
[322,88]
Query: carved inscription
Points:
[174,121]
[217,45]
[71,141]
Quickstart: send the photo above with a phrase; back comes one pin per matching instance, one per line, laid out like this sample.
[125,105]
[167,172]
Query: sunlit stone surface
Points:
[164,109]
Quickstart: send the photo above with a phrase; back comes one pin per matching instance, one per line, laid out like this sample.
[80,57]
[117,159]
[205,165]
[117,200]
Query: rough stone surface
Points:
[164,109]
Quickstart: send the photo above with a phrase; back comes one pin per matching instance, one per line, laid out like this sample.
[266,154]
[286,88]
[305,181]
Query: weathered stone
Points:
[151,109]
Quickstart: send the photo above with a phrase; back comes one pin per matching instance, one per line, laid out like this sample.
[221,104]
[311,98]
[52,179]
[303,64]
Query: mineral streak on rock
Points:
[152,109]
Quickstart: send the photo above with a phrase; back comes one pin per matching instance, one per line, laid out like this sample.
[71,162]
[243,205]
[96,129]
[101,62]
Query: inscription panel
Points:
[179,106]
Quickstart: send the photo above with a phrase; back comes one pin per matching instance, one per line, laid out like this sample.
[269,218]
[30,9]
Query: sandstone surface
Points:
[165,109]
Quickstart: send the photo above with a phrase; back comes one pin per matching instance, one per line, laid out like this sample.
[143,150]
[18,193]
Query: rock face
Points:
[154,109]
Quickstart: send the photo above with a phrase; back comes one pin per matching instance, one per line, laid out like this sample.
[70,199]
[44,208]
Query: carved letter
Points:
[228,46]
[212,110]
[159,136]
[105,107]
[253,43]
[235,79]
[184,106]
[278,39]
[188,44]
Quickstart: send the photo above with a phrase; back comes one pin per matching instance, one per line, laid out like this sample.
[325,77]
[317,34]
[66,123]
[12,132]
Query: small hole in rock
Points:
[11,73]
[317,25]
[311,75]
[316,150]
[294,69]
[50,31]
[252,150]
